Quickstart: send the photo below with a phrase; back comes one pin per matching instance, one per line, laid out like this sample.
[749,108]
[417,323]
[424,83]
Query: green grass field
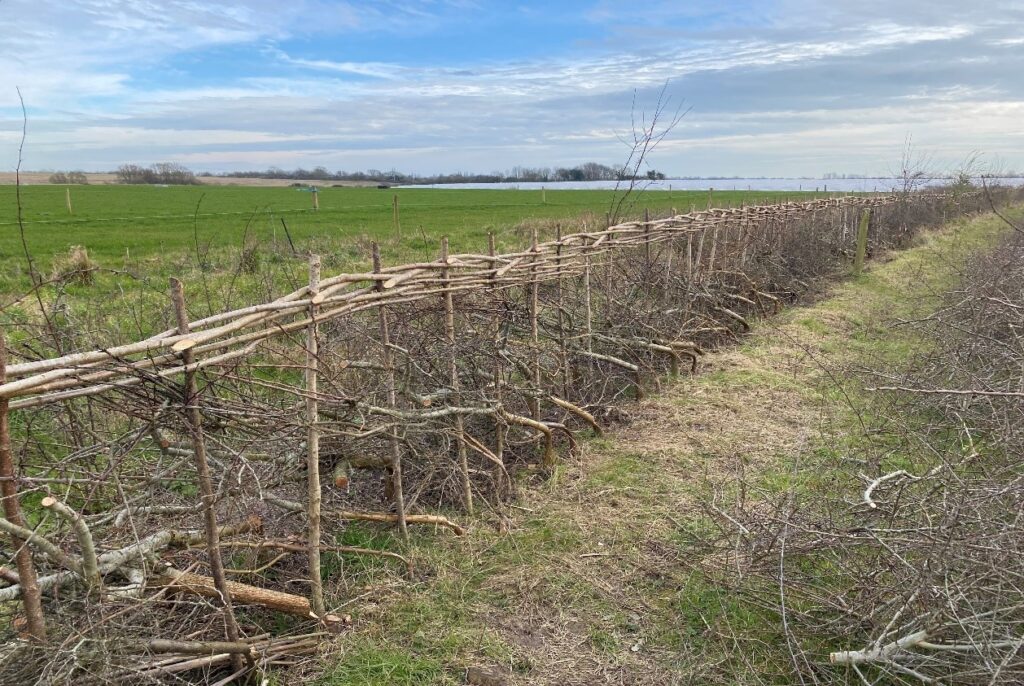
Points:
[229,241]
[151,220]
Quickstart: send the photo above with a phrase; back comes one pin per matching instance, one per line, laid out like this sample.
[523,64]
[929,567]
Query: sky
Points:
[769,88]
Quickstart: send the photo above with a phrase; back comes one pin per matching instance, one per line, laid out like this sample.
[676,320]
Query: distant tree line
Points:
[163,172]
[69,177]
[590,171]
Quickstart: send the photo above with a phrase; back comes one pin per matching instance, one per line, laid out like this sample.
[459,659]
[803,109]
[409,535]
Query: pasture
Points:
[231,240]
[148,221]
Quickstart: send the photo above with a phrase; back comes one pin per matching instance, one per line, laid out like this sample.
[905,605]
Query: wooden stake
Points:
[535,331]
[564,362]
[647,237]
[389,366]
[316,199]
[449,327]
[543,196]
[314,495]
[711,192]
[209,498]
[714,249]
[31,596]
[700,254]
[67,199]
[862,242]
[689,257]
[589,323]
[396,222]
[499,425]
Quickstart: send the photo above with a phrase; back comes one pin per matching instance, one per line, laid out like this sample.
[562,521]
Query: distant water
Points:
[780,184]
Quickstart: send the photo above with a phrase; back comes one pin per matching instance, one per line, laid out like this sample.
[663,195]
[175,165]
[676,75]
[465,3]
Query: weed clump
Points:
[75,267]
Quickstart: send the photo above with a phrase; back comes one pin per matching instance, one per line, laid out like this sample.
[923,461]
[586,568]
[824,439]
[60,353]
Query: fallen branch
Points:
[90,565]
[950,391]
[244,594]
[579,412]
[438,520]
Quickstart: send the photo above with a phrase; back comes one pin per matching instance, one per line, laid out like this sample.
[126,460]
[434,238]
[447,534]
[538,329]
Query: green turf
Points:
[153,220]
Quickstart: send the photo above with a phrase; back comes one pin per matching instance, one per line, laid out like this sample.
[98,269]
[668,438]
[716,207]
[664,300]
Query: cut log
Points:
[244,594]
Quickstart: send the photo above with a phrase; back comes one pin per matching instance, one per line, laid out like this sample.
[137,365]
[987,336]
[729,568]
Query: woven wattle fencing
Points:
[383,396]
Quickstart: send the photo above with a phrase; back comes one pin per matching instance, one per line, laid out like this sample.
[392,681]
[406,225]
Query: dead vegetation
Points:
[894,556]
[163,467]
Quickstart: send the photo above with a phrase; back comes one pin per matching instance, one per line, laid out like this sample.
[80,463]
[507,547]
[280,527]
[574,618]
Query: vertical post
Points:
[396,222]
[609,268]
[647,237]
[313,443]
[589,323]
[449,328]
[67,199]
[543,196]
[389,379]
[862,242]
[689,256]
[714,249]
[31,597]
[535,330]
[561,314]
[711,192]
[700,252]
[209,499]
[316,198]
[499,426]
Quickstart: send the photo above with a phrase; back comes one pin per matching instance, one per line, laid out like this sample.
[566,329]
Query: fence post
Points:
[194,418]
[689,257]
[862,242]
[700,253]
[647,237]
[313,443]
[460,429]
[389,372]
[589,323]
[67,199]
[316,198]
[31,596]
[561,314]
[499,425]
[396,222]
[714,249]
[535,331]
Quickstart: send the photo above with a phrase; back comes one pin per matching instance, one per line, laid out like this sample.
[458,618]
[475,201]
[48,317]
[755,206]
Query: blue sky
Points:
[781,87]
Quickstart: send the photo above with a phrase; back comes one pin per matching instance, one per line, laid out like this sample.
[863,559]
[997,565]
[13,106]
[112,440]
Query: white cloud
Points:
[80,66]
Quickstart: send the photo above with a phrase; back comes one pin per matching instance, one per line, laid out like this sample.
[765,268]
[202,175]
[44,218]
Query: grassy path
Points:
[596,578]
